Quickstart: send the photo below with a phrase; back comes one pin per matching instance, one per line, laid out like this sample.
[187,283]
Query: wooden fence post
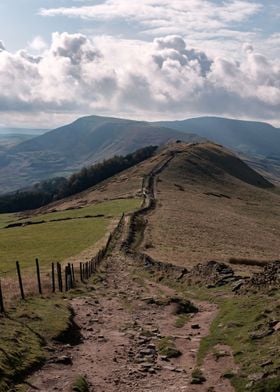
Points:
[53,278]
[59,277]
[70,277]
[38,277]
[20,281]
[66,277]
[2,308]
[73,275]
[81,272]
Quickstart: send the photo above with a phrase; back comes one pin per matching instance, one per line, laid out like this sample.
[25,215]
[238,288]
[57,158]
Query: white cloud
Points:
[158,17]
[163,78]
[37,44]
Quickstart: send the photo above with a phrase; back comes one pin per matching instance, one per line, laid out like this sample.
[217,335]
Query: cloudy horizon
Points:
[159,59]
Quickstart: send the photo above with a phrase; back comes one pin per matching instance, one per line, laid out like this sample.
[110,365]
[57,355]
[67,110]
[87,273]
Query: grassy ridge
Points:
[53,241]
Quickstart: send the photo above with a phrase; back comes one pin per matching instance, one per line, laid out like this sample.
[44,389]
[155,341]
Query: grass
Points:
[55,241]
[25,332]
[166,347]
[238,318]
[5,219]
[80,385]
[182,320]
[197,377]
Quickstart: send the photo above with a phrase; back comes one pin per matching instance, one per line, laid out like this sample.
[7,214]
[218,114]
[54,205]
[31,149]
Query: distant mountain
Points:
[62,151]
[22,131]
[249,137]
[10,137]
[66,149]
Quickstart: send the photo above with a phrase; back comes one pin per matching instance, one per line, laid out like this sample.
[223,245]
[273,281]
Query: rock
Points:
[267,363]
[170,368]
[63,360]
[195,326]
[275,325]
[164,358]
[237,285]
[261,334]
[256,377]
[145,352]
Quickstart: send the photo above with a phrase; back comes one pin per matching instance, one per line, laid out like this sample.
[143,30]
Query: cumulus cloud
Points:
[165,77]
[37,44]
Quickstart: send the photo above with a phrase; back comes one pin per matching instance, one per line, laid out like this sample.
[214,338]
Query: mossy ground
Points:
[24,333]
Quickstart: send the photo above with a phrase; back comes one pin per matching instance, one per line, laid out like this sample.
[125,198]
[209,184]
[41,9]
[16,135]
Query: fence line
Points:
[60,278]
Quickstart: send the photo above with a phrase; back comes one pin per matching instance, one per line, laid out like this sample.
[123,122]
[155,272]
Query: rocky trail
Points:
[134,337]
[121,325]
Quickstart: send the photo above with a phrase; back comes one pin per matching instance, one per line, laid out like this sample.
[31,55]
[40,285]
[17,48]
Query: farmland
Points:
[60,235]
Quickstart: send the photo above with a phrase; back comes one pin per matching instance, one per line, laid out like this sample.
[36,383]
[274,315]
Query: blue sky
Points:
[151,59]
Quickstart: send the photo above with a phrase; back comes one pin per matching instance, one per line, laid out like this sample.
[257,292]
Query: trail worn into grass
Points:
[122,324]
[132,337]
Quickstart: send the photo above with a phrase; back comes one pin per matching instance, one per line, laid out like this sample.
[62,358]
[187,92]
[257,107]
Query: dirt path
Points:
[123,321]
[121,329]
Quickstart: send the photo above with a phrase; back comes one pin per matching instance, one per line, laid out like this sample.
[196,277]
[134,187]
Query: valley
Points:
[88,140]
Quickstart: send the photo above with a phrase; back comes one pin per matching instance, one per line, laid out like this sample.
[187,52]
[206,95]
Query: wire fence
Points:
[18,283]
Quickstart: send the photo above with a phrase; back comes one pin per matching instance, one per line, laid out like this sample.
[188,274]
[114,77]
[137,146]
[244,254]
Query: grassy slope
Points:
[53,241]
[238,318]
[189,226]
[193,223]
[24,334]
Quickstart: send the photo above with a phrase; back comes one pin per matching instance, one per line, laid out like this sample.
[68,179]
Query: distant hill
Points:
[91,139]
[249,137]
[22,131]
[86,141]
[212,206]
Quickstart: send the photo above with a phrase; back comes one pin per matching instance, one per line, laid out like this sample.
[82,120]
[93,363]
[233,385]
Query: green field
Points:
[55,241]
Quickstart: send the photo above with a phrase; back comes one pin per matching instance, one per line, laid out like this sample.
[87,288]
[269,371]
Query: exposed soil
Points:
[124,321]
[120,331]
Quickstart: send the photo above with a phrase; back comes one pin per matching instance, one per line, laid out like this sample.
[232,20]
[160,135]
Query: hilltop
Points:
[67,149]
[91,139]
[249,137]
[212,206]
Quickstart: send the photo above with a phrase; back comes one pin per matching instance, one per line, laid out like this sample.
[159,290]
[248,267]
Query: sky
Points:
[148,59]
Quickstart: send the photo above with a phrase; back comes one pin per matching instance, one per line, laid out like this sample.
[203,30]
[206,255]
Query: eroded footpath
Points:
[126,325]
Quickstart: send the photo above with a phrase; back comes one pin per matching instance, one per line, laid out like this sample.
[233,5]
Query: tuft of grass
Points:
[181,320]
[183,306]
[167,347]
[198,377]
[80,385]
[25,332]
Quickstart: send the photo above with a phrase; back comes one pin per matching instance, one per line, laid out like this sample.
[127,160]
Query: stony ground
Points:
[129,328]
[122,323]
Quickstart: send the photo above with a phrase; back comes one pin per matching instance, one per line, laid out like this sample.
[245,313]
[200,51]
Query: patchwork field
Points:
[57,235]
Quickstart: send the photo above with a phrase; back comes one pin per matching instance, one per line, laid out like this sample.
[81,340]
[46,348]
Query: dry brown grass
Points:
[213,214]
